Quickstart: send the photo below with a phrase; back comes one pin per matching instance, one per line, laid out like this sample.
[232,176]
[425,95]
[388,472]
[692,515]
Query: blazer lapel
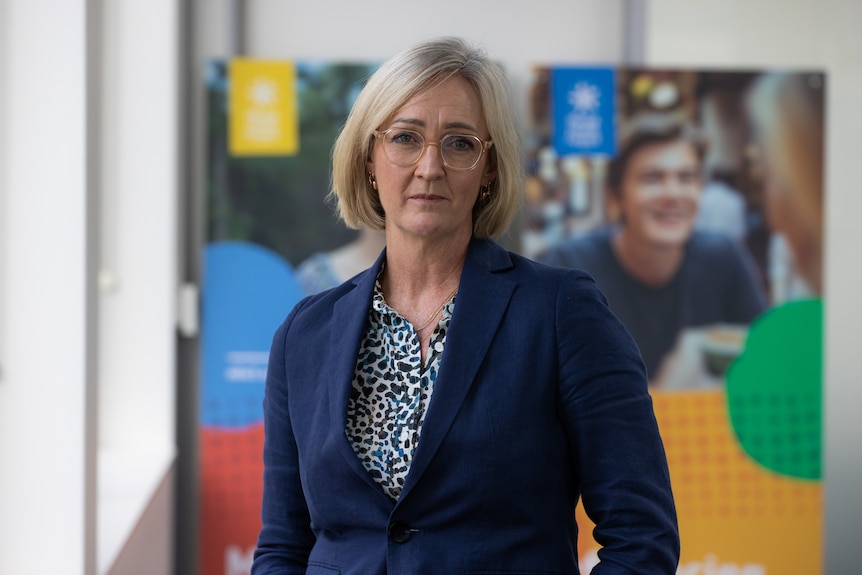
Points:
[483,297]
[349,320]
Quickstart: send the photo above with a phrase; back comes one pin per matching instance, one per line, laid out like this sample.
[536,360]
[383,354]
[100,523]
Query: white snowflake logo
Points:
[262,92]
[585,97]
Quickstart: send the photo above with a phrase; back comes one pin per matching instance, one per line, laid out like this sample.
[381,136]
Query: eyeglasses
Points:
[460,152]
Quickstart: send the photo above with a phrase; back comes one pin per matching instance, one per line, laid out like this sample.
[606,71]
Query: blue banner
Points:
[584,108]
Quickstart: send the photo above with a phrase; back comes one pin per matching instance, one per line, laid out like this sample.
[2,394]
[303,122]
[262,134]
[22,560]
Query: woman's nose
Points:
[430,161]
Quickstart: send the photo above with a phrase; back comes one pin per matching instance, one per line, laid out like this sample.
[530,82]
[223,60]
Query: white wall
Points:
[89,118]
[47,452]
[139,246]
[138,253]
[804,34]
[3,185]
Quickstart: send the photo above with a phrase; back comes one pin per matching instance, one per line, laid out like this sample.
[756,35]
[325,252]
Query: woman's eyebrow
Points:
[448,126]
[409,121]
[461,125]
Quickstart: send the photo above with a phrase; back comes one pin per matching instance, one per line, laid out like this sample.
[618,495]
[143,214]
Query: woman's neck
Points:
[415,275]
[417,283]
[416,266]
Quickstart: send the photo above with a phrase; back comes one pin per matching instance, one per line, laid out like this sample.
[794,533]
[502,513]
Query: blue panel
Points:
[247,292]
[583,101]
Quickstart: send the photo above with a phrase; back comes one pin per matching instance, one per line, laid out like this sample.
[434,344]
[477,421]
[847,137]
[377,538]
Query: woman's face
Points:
[660,193]
[427,199]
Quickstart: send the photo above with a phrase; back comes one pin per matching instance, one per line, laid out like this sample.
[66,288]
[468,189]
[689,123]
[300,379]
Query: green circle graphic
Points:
[774,389]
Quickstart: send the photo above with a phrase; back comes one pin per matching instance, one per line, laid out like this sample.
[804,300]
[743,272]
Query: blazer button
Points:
[399,533]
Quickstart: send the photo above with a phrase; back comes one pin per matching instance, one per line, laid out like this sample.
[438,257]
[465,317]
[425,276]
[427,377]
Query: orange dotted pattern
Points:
[712,475]
[735,516]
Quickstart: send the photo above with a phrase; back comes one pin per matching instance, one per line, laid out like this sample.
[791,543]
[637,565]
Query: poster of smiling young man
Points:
[695,200]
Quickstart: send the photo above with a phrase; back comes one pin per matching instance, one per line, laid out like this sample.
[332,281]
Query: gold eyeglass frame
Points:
[485,146]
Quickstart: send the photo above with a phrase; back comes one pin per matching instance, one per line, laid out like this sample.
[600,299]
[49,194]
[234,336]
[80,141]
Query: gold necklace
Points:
[436,311]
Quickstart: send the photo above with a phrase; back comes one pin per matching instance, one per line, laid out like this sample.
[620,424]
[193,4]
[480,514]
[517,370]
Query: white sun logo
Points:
[262,92]
[585,97]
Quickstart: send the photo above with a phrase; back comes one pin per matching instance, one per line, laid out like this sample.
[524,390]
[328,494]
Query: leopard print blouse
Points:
[391,391]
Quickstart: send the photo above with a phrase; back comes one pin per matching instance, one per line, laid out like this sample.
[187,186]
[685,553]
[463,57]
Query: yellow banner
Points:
[262,108]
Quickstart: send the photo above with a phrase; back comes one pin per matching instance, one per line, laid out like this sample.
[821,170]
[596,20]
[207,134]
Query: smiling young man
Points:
[659,274]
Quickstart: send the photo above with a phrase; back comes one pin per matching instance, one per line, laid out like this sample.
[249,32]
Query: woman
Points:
[660,275]
[787,112]
[442,411]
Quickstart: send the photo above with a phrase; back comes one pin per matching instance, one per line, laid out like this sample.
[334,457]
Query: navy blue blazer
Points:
[541,397]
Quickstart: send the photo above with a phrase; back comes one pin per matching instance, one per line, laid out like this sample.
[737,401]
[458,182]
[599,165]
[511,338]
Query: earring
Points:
[372,181]
[485,191]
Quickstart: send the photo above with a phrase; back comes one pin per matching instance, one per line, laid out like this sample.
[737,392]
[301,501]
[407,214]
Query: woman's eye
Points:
[460,143]
[404,138]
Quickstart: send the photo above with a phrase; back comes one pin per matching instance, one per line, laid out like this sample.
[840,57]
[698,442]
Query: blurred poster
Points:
[262,100]
[700,216]
[695,198]
[271,239]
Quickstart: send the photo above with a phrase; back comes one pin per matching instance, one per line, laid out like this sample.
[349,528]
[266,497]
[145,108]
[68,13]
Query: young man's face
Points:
[660,193]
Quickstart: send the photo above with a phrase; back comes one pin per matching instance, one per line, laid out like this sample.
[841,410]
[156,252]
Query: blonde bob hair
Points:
[388,89]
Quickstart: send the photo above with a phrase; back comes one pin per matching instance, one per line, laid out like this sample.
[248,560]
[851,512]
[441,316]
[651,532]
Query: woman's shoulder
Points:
[493,267]
[502,258]
[542,281]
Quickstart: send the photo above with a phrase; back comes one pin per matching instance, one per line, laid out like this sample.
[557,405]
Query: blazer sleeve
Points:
[607,412]
[286,538]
